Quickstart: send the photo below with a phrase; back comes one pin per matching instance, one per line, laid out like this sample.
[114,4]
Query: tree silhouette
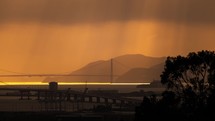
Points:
[190,90]
[190,77]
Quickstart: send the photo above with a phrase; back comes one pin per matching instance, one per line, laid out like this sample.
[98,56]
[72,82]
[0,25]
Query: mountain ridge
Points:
[121,65]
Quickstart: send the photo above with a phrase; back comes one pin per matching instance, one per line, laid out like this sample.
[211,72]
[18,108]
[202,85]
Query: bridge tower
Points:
[111,70]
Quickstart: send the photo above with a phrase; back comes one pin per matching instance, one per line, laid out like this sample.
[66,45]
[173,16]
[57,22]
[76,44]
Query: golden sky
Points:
[57,36]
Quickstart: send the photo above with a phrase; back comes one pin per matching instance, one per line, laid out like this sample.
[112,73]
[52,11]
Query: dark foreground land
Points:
[65,116]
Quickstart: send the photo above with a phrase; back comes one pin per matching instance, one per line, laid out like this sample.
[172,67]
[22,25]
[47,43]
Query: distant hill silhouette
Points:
[129,68]
[142,74]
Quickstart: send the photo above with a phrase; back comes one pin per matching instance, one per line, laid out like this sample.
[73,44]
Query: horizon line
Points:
[69,83]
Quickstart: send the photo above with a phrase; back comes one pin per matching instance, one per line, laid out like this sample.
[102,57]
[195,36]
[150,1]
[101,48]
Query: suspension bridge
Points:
[54,99]
[111,74]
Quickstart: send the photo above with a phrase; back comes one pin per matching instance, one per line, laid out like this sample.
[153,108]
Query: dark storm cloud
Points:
[90,11]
